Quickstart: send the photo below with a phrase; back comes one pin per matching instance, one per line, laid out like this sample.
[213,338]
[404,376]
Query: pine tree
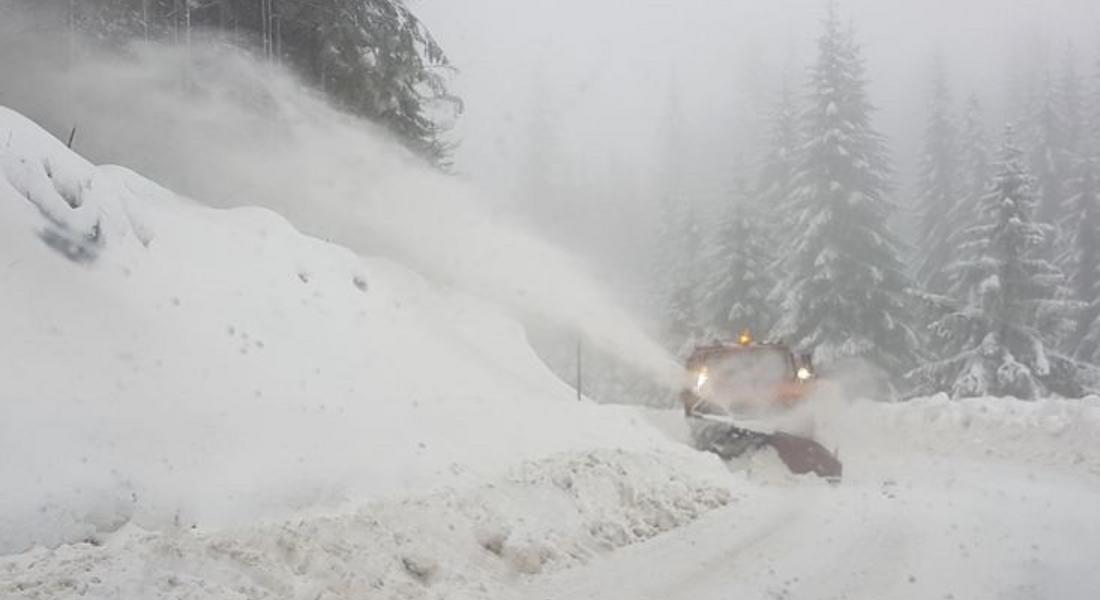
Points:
[1070,97]
[938,190]
[844,292]
[1091,109]
[1008,305]
[1083,258]
[777,171]
[381,62]
[1049,154]
[374,58]
[974,164]
[973,175]
[738,262]
[1076,218]
[1083,261]
[678,273]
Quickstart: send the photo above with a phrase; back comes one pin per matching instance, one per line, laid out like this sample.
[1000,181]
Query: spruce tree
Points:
[738,269]
[1091,109]
[378,60]
[1071,101]
[974,169]
[1075,254]
[777,171]
[1008,305]
[938,190]
[373,58]
[973,174]
[678,273]
[1049,154]
[1083,261]
[1083,258]
[844,291]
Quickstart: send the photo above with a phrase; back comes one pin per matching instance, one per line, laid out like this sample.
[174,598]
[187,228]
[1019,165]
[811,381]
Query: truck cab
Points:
[746,378]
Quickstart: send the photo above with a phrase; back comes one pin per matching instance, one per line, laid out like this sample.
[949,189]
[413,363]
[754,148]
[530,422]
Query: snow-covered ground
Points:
[471,543]
[200,403]
[984,499]
[178,376]
[968,530]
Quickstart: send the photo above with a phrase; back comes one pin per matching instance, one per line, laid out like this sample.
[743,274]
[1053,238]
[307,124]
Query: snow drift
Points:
[214,123]
[168,365]
[546,516]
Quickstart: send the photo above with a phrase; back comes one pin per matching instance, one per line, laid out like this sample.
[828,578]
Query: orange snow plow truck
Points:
[732,384]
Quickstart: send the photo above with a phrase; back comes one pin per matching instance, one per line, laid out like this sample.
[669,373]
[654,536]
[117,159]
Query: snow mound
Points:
[453,544]
[168,365]
[1051,433]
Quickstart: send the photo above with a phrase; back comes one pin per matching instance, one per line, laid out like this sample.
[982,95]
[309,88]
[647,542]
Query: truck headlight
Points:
[701,379]
[804,374]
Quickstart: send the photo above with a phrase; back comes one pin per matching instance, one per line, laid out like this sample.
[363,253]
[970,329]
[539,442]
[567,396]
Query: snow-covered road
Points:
[935,528]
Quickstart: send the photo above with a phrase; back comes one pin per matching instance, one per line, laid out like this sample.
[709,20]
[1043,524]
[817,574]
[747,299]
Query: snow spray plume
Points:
[212,122]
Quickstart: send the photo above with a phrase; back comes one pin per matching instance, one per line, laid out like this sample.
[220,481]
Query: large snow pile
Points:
[165,366]
[545,516]
[1052,433]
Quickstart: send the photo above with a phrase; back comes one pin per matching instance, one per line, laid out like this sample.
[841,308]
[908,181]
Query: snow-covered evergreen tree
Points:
[1083,258]
[777,171]
[1077,217]
[974,167]
[1090,139]
[1049,154]
[1071,101]
[738,275]
[973,175]
[844,291]
[1008,305]
[938,190]
[375,58]
[379,60]
[678,271]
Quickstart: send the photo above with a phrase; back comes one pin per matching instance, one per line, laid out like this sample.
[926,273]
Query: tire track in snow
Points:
[964,530]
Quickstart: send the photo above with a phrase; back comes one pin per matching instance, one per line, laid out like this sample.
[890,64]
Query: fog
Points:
[603,71]
[199,401]
[579,117]
[222,127]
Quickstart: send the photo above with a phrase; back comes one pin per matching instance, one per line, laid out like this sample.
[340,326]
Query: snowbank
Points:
[1050,433]
[546,515]
[880,440]
[167,366]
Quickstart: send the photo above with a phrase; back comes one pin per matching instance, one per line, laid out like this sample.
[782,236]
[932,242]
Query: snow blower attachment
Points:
[748,380]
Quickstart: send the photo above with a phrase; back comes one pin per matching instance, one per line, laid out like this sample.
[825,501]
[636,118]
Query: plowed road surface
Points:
[935,529]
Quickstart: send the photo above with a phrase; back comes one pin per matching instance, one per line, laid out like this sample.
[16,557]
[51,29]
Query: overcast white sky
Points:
[606,65]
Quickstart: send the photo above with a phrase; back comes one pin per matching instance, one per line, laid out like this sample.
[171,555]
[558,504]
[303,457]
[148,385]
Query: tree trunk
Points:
[72,30]
[145,19]
[265,27]
[278,27]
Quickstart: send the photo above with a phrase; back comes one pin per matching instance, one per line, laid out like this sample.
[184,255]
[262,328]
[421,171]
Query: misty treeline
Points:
[997,294]
[373,58]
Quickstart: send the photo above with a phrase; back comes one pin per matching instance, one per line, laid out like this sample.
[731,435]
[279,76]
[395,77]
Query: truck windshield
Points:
[749,368]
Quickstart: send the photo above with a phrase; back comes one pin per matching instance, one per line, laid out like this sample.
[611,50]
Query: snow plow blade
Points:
[802,455]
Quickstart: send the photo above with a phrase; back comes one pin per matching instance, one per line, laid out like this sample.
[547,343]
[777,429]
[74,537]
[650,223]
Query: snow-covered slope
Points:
[168,365]
[207,404]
